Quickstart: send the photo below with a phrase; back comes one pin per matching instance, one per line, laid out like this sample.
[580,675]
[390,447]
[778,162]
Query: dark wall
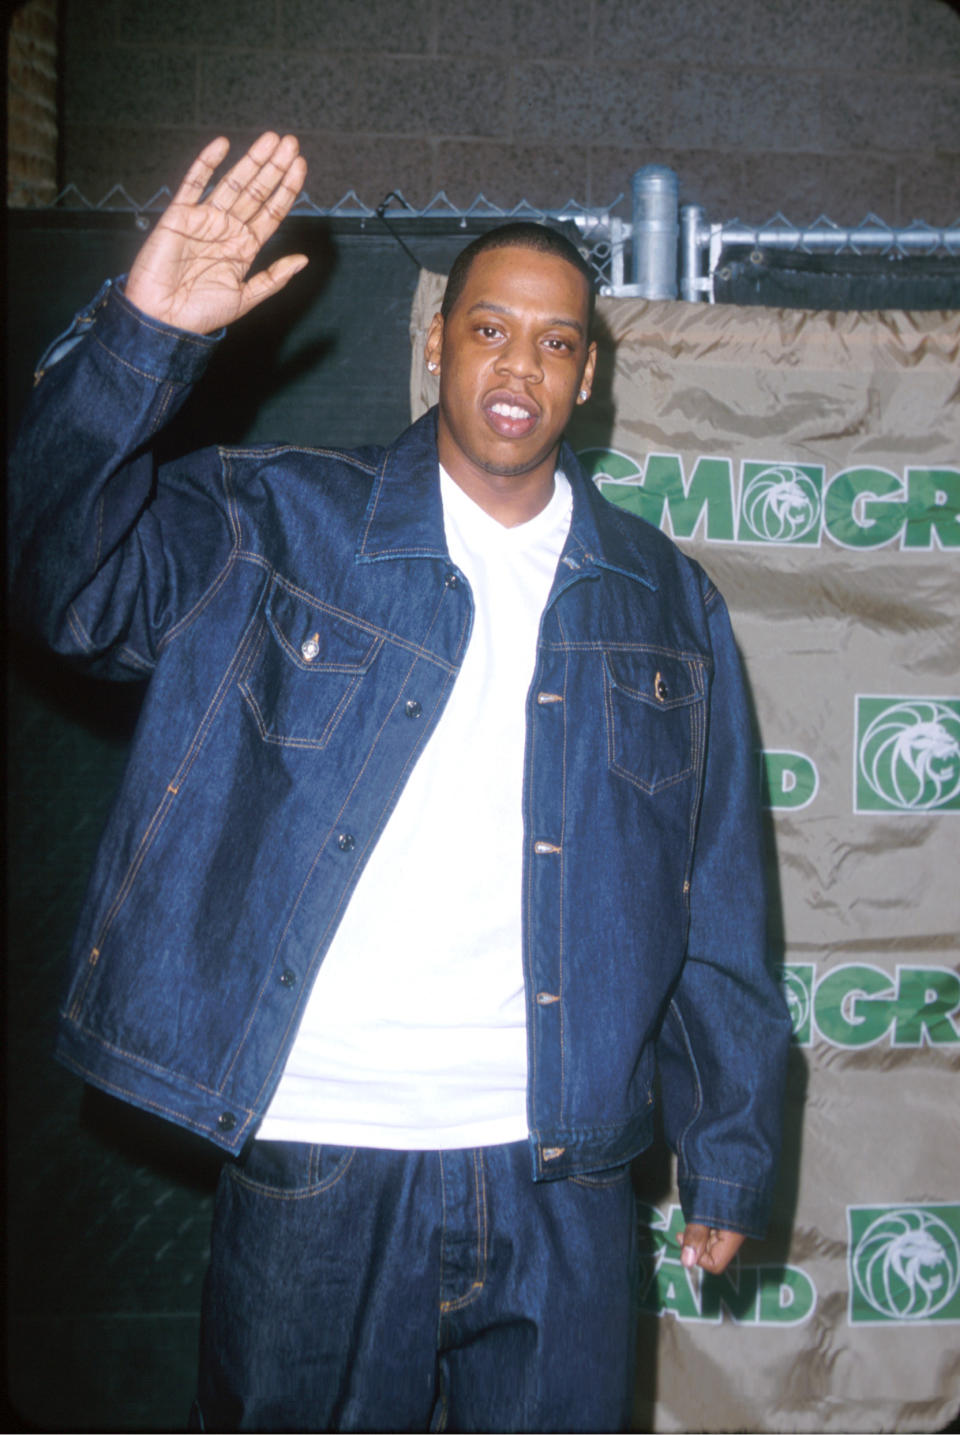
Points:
[108,1210]
[836,106]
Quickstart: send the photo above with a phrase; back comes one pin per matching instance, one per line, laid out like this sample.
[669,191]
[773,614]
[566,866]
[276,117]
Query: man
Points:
[436,841]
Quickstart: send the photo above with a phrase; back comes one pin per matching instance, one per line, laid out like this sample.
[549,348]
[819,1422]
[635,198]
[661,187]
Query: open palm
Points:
[193,270]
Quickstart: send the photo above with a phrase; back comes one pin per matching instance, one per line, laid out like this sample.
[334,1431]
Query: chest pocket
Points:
[306,670]
[654,705]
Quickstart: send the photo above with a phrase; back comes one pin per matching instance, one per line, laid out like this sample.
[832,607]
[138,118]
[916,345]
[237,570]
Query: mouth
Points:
[511,415]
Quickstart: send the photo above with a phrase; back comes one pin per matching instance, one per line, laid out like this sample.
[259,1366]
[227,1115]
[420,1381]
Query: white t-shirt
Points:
[414,1036]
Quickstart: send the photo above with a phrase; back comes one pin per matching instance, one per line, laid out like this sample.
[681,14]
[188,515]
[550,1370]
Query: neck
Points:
[510,498]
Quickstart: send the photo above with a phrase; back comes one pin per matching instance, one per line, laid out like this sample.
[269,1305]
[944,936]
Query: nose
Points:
[520,357]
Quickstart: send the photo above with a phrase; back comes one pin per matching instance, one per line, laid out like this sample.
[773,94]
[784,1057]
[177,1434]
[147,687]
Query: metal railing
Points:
[604,236]
[702,243]
[667,250]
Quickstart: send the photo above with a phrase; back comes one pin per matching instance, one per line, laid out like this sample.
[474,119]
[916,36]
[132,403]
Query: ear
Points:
[589,369]
[433,348]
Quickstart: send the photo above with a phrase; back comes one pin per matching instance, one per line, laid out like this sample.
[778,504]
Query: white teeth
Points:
[510,411]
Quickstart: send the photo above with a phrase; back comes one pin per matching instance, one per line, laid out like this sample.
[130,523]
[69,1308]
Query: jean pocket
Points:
[654,713]
[306,668]
[598,1180]
[290,1170]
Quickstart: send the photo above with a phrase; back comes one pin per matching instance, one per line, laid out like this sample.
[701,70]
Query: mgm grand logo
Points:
[858,1004]
[783,503]
[904,1264]
[908,755]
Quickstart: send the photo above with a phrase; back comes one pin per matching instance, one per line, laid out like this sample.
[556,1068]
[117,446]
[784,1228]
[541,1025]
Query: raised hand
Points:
[192,271]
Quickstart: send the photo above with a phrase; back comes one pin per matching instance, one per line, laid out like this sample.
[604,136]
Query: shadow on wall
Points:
[263,355]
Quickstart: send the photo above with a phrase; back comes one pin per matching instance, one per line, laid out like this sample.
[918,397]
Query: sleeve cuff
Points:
[155,349]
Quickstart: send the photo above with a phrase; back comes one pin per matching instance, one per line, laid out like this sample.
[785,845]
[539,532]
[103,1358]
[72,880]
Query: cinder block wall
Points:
[837,105]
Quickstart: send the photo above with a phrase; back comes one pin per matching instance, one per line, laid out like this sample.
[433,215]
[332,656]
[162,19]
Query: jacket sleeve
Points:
[108,554]
[724,1043]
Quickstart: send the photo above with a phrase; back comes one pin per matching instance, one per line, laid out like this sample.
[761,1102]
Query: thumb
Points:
[267,282]
[693,1242]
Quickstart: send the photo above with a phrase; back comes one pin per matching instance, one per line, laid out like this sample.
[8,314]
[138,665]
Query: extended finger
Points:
[198,175]
[232,189]
[277,205]
[253,183]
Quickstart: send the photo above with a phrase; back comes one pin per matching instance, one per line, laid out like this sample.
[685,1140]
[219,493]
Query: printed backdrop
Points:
[811,463]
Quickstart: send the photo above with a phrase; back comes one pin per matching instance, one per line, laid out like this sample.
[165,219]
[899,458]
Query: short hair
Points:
[521,234]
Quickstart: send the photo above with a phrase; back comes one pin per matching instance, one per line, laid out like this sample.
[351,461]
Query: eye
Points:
[488,331]
[559,346]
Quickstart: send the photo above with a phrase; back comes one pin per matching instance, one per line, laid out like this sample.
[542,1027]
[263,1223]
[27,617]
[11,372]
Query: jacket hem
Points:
[159,1092]
[571,1152]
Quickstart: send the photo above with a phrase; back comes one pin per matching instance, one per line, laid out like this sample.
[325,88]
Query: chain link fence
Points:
[655,250]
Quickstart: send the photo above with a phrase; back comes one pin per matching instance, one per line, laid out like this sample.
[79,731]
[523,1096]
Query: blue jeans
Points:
[440,1290]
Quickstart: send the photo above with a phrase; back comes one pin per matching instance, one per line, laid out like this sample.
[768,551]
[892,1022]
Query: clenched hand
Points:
[708,1247]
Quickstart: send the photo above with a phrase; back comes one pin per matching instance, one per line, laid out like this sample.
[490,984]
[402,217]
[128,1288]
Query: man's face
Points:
[513,357]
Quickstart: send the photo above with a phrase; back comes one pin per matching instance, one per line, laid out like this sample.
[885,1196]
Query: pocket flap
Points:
[663,680]
[316,638]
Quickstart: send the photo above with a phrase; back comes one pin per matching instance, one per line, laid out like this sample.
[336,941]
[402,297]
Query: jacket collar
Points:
[404,518]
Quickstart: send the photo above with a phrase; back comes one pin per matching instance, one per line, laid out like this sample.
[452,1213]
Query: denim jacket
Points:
[301,624]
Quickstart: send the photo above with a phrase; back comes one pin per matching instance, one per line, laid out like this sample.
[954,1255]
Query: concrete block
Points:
[546,175]
[390,26]
[891,113]
[680,33]
[371,167]
[857,35]
[437,97]
[933,35]
[804,186]
[945,134]
[706,108]
[248,89]
[929,189]
[88,25]
[116,85]
[779,112]
[142,159]
[614,105]
[189,25]
[548,29]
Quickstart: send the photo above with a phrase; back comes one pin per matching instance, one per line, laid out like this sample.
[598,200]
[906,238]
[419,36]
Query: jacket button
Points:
[451,580]
[226,1121]
[413,708]
[346,842]
[288,978]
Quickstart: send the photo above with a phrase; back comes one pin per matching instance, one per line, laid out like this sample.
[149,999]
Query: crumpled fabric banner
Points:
[811,462]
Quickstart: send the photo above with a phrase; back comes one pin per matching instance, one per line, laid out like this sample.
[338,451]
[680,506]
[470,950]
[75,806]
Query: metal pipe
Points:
[655,232]
[692,287]
[823,239]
